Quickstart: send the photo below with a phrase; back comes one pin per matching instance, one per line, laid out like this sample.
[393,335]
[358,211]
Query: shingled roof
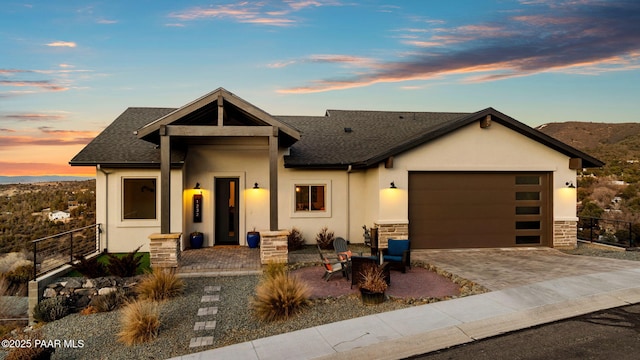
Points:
[363,139]
[343,138]
[340,139]
[118,146]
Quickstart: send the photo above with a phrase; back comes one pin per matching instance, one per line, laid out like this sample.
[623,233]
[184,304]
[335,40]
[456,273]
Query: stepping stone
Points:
[210,298]
[205,325]
[208,311]
[212,288]
[201,341]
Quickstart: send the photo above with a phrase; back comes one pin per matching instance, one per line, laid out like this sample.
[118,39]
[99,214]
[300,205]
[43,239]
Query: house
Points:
[59,216]
[446,180]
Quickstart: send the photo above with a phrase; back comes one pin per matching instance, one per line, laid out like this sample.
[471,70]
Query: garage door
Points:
[479,210]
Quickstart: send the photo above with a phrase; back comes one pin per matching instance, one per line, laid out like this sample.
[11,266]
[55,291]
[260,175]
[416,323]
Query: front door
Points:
[226,211]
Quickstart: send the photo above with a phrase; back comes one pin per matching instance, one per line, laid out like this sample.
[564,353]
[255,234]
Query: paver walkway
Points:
[206,317]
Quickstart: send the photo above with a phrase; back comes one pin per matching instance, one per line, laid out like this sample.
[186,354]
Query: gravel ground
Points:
[234,321]
[608,252]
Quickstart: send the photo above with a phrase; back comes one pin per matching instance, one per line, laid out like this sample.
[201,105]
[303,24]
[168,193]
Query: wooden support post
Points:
[220,110]
[273,180]
[165,181]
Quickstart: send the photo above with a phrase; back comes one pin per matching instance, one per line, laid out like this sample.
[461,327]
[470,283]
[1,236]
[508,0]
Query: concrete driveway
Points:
[498,269]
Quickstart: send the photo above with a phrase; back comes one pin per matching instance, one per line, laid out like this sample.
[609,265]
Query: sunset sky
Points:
[68,67]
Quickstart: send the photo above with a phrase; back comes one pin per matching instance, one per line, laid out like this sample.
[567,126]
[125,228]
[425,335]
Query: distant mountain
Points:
[38,179]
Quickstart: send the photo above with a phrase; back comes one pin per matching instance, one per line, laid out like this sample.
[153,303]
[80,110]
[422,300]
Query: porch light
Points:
[255,186]
[393,185]
[570,185]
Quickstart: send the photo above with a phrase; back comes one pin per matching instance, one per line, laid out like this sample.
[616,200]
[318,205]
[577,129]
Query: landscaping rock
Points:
[107,290]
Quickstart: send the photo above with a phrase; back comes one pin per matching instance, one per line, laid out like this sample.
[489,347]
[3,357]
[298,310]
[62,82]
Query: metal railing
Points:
[605,231]
[53,252]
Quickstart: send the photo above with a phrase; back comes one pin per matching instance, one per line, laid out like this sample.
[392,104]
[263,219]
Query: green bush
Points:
[325,238]
[295,240]
[125,266]
[51,309]
[90,268]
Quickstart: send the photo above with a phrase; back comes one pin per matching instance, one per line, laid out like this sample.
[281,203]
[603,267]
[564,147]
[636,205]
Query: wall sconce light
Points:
[197,187]
[570,185]
[255,186]
[393,185]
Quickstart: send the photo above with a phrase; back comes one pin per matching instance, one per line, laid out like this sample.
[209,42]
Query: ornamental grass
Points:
[279,297]
[140,322]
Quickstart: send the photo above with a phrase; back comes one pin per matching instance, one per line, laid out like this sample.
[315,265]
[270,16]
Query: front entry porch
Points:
[220,260]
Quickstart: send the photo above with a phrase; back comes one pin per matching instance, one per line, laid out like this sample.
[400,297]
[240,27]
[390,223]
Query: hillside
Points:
[618,145]
[24,209]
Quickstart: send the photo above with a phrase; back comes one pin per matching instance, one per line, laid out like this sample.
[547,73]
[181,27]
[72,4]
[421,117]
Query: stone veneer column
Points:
[164,250]
[391,231]
[274,246]
[565,234]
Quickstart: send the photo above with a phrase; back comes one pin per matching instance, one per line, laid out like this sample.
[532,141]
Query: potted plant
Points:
[253,238]
[372,284]
[196,239]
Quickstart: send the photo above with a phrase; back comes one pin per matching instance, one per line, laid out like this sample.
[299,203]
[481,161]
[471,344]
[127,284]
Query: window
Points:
[310,198]
[139,198]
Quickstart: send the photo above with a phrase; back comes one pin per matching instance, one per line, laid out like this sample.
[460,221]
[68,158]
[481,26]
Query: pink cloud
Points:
[586,37]
[70,44]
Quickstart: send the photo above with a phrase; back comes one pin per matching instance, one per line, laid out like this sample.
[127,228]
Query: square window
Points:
[139,198]
[310,197]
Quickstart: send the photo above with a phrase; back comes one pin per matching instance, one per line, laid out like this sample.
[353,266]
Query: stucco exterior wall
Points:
[244,158]
[120,235]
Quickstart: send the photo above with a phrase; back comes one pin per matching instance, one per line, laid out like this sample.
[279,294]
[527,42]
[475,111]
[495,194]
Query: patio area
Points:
[417,282]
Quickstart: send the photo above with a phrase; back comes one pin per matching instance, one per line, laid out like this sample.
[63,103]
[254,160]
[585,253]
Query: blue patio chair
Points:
[398,254]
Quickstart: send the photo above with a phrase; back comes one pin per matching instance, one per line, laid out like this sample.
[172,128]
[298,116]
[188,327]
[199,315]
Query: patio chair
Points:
[342,249]
[331,268]
[358,263]
[398,254]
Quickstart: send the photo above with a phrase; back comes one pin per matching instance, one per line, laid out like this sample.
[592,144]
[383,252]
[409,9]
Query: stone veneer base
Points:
[565,234]
[164,250]
[274,246]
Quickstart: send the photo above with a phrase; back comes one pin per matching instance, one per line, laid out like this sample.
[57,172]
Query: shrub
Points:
[110,301]
[125,266]
[280,297]
[272,269]
[90,268]
[51,309]
[31,352]
[295,239]
[325,238]
[372,279]
[160,285]
[20,275]
[140,322]
[89,310]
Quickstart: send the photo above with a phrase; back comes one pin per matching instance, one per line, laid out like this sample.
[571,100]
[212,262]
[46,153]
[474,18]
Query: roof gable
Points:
[374,136]
[206,111]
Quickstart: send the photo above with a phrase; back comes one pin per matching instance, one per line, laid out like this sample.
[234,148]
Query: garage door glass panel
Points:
[527,195]
[527,210]
[527,225]
[527,180]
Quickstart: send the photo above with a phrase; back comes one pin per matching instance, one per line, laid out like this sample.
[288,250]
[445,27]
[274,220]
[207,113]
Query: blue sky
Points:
[68,68]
